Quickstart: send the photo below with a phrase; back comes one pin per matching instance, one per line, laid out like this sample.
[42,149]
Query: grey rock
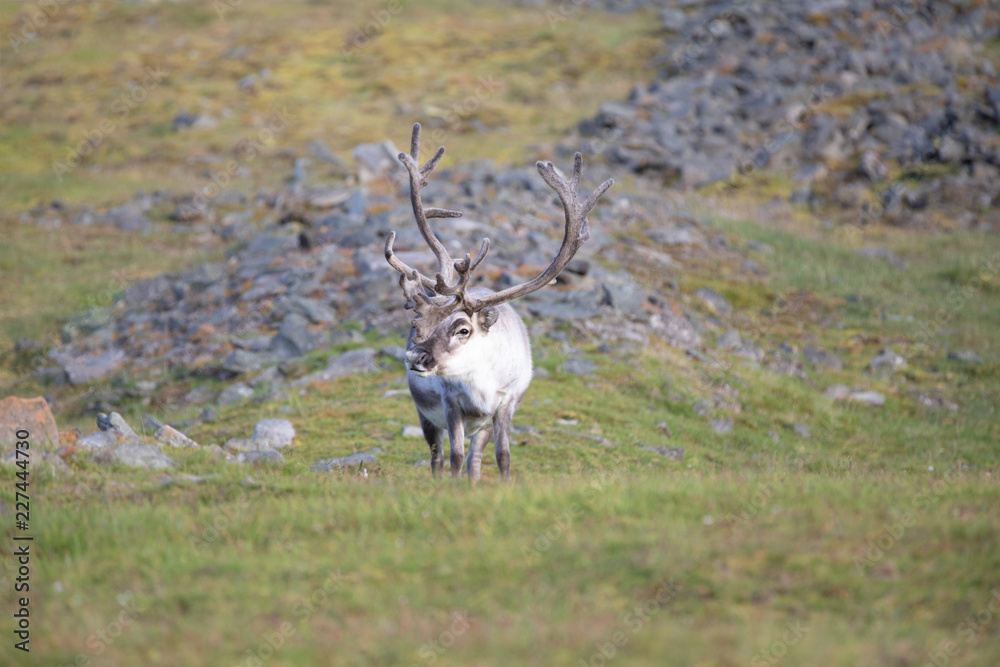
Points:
[966,356]
[704,408]
[348,363]
[673,19]
[730,340]
[375,161]
[273,433]
[672,453]
[216,453]
[873,398]
[327,465]
[235,393]
[822,358]
[675,236]
[167,480]
[293,338]
[838,392]
[722,426]
[577,366]
[242,361]
[677,331]
[99,440]
[171,436]
[260,457]
[419,463]
[151,424]
[397,352]
[84,368]
[802,430]
[241,445]
[313,310]
[715,301]
[413,432]
[117,425]
[209,414]
[136,455]
[886,362]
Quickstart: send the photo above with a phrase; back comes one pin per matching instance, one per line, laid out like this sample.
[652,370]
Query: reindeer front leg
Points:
[456,433]
[501,438]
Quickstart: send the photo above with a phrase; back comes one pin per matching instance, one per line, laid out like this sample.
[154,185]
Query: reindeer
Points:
[468,356]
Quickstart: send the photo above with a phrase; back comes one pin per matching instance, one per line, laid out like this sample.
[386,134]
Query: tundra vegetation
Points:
[871,541]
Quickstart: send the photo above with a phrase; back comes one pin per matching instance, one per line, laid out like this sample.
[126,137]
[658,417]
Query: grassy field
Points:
[872,542]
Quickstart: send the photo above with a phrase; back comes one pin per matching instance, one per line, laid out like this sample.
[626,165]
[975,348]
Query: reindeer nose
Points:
[417,359]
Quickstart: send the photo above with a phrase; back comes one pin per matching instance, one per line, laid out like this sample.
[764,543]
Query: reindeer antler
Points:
[447,298]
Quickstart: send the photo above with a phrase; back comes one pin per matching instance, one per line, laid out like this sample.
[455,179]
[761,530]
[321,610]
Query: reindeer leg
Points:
[435,440]
[474,459]
[456,434]
[501,438]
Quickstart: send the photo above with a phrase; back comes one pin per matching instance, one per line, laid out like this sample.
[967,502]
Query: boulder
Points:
[29,414]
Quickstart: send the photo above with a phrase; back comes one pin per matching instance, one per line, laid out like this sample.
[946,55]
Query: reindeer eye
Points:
[463,332]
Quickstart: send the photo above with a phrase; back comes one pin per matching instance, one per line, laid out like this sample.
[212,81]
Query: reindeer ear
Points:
[488,317]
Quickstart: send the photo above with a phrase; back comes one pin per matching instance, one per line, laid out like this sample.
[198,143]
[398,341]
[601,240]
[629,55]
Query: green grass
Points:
[874,539]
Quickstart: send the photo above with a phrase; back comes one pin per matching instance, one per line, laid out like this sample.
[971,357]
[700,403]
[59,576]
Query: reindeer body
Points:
[470,387]
[468,357]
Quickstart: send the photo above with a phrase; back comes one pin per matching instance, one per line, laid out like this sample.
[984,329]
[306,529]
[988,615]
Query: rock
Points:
[413,432]
[376,161]
[242,361]
[674,236]
[167,480]
[30,414]
[397,352]
[675,330]
[293,338]
[85,368]
[260,457]
[577,366]
[99,440]
[216,453]
[171,436]
[151,424]
[348,363]
[966,356]
[672,453]
[868,398]
[703,408]
[311,309]
[208,415]
[715,301]
[822,358]
[722,426]
[273,433]
[419,463]
[241,445]
[235,393]
[802,430]
[673,19]
[327,465]
[730,340]
[838,392]
[886,362]
[873,167]
[882,252]
[117,425]
[135,455]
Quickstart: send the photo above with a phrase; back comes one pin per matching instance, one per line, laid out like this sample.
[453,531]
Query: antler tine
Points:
[396,263]
[418,179]
[576,234]
[464,269]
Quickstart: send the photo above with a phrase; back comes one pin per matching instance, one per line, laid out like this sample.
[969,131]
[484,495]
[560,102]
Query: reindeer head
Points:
[445,309]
